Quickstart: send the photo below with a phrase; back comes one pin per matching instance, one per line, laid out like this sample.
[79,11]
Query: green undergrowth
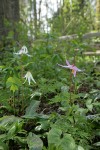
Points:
[59,111]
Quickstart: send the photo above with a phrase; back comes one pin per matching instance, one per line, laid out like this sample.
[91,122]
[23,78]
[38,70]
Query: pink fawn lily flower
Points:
[72,67]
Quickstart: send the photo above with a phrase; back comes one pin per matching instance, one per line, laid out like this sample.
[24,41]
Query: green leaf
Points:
[36,94]
[21,140]
[3,146]
[11,132]
[97,144]
[7,121]
[44,125]
[31,109]
[80,147]
[54,136]
[34,142]
[2,67]
[64,88]
[96,104]
[4,95]
[89,104]
[13,80]
[2,137]
[13,88]
[67,142]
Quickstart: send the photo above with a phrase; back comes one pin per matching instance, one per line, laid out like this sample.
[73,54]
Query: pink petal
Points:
[75,68]
[71,67]
[67,63]
[74,72]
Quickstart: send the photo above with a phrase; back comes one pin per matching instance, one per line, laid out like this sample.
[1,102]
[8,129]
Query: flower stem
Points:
[14,102]
[70,87]
[22,98]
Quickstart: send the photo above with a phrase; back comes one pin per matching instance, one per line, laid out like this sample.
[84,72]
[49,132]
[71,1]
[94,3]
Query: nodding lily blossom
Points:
[28,77]
[23,50]
[72,67]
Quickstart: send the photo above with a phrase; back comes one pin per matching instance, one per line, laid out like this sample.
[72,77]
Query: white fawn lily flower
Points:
[72,67]
[28,77]
[22,51]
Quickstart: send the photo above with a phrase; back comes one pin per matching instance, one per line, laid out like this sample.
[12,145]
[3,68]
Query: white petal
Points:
[24,49]
[29,80]
[25,81]
[63,66]
[33,80]
[16,53]
[29,55]
[79,70]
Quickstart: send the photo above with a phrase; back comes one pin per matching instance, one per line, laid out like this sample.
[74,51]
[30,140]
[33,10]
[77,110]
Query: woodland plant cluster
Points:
[49,90]
[42,105]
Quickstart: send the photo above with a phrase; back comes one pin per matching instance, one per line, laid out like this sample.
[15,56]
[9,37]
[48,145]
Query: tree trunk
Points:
[35,17]
[9,13]
[98,14]
[40,2]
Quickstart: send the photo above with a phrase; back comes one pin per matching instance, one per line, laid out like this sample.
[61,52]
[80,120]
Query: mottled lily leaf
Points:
[97,144]
[34,142]
[67,142]
[80,147]
[31,110]
[54,136]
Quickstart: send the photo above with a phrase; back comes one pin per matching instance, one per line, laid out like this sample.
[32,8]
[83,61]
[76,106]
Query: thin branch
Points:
[74,36]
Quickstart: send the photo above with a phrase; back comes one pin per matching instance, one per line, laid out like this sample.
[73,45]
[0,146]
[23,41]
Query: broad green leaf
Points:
[96,104]
[44,125]
[97,144]
[34,142]
[36,94]
[7,121]
[89,104]
[13,80]
[2,137]
[64,88]
[11,132]
[97,132]
[54,136]
[4,95]
[3,146]
[80,147]
[13,88]
[67,142]
[31,109]
[21,140]
[2,67]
